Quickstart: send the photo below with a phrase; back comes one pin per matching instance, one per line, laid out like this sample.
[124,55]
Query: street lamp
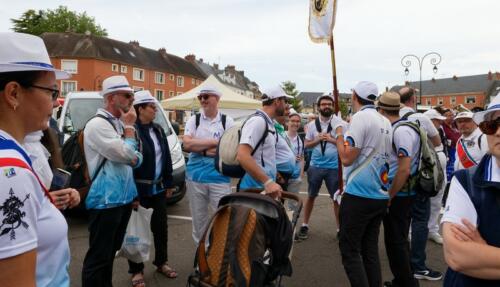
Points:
[406,62]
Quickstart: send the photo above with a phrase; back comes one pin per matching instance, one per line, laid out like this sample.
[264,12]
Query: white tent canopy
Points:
[230,100]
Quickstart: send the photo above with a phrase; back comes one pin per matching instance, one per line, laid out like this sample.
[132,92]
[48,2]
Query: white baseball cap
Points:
[492,107]
[433,114]
[464,115]
[274,93]
[115,84]
[366,90]
[210,90]
[23,52]
[143,97]
[325,96]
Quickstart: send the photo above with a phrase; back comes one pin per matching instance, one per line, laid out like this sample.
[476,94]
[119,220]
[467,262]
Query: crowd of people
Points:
[376,156]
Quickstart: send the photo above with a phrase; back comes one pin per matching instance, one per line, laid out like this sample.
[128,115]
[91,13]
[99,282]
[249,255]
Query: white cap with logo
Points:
[143,97]
[366,90]
[274,93]
[434,115]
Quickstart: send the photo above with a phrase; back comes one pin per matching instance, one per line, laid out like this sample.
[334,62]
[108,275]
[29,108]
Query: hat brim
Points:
[377,104]
[6,68]
[107,92]
[480,116]
[441,118]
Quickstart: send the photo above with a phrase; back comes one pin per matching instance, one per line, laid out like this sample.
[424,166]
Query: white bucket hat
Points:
[23,52]
[434,115]
[115,84]
[143,97]
[209,90]
[464,115]
[366,90]
[492,107]
[274,93]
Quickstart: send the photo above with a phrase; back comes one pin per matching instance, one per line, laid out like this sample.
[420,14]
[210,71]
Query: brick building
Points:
[469,91]
[91,59]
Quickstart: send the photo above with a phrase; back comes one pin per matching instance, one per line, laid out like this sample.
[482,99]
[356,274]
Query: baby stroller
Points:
[249,241]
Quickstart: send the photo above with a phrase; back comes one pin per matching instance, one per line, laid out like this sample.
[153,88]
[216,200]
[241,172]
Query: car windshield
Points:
[80,110]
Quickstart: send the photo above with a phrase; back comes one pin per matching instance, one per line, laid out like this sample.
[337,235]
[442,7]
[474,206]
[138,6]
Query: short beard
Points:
[326,113]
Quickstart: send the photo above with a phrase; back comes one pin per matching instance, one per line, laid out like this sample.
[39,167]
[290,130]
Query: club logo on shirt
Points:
[9,172]
[384,176]
[12,215]
[470,143]
[217,135]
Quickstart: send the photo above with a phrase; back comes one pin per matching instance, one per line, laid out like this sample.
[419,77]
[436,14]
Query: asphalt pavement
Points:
[316,261]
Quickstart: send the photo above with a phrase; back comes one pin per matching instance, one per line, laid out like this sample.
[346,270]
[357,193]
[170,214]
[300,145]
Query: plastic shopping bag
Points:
[138,237]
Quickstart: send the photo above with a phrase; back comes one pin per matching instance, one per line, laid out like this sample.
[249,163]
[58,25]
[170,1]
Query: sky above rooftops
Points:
[269,39]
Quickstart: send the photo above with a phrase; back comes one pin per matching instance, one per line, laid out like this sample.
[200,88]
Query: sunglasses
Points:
[54,92]
[490,127]
[204,97]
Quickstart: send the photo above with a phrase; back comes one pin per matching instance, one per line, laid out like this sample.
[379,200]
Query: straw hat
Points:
[389,101]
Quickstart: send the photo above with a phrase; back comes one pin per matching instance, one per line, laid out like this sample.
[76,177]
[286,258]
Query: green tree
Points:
[344,110]
[58,20]
[290,88]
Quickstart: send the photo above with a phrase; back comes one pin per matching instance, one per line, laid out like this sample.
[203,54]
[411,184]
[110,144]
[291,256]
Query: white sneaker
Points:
[436,237]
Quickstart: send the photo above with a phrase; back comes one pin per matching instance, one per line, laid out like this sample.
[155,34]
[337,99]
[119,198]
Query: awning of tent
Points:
[229,99]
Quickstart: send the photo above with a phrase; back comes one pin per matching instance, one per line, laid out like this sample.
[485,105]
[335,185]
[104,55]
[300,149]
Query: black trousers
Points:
[107,229]
[159,228]
[396,228]
[360,220]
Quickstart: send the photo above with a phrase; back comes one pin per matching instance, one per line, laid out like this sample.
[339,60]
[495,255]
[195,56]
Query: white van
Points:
[79,107]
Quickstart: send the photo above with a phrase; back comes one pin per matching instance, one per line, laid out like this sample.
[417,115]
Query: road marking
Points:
[180,217]
[322,194]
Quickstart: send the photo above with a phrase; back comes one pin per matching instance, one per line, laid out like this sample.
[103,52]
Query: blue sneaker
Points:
[428,274]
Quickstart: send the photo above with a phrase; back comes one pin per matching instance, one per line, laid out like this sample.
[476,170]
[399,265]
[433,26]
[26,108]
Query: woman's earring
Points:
[15,107]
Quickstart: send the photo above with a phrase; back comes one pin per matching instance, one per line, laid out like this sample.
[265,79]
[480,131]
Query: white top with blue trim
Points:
[369,131]
[330,159]
[201,168]
[407,144]
[265,155]
[35,222]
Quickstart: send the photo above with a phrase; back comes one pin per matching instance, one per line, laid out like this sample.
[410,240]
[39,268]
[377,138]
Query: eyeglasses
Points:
[54,92]
[153,106]
[205,97]
[490,127]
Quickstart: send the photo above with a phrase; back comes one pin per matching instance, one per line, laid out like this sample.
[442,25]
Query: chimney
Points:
[216,66]
[242,73]
[455,77]
[190,58]
[433,80]
[407,83]
[490,76]
[201,60]
[134,43]
[163,52]
[498,75]
[230,70]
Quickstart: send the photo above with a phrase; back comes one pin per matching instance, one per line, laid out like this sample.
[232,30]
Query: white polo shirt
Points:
[201,168]
[423,120]
[265,154]
[30,221]
[469,148]
[329,159]
[285,157]
[370,132]
[297,145]
[406,144]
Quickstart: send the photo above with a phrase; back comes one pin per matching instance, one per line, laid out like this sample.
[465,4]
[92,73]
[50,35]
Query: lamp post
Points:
[434,59]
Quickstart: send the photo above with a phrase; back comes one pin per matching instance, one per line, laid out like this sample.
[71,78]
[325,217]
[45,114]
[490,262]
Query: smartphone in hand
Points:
[60,180]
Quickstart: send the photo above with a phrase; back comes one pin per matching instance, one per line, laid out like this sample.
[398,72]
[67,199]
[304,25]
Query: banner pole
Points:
[336,105]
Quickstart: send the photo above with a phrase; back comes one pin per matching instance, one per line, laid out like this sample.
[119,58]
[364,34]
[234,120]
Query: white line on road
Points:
[322,194]
[180,217]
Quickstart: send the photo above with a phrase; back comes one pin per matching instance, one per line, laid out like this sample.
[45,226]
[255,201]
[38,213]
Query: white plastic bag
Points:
[138,237]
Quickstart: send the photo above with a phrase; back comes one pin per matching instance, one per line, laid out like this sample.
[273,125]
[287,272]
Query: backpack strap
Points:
[197,120]
[223,120]
[262,139]
[319,129]
[101,165]
[408,114]
[479,141]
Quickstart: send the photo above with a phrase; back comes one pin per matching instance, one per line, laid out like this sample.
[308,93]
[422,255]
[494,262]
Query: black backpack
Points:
[73,155]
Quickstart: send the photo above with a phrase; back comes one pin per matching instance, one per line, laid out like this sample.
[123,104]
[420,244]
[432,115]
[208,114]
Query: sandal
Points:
[139,282]
[166,270]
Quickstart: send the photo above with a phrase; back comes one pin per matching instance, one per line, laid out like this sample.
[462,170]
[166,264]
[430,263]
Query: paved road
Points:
[316,261]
